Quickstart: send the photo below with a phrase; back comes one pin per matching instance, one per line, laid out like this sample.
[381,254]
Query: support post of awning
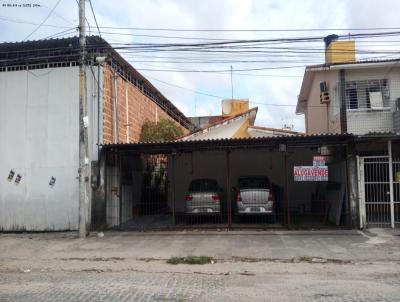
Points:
[228,189]
[391,189]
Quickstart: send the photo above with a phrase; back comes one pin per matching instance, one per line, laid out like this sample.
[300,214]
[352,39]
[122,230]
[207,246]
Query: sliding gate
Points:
[379,191]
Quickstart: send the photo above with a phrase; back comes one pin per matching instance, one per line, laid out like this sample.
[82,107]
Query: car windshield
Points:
[202,185]
[253,183]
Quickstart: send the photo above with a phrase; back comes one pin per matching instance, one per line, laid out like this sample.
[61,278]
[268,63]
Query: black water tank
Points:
[329,39]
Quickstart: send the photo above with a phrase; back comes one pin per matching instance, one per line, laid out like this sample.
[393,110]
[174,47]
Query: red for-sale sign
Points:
[310,173]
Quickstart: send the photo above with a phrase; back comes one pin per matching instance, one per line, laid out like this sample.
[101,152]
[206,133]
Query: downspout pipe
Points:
[115,105]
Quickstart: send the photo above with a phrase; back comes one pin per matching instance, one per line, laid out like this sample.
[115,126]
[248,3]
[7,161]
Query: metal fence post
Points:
[228,188]
[391,189]
[286,188]
[173,156]
[360,197]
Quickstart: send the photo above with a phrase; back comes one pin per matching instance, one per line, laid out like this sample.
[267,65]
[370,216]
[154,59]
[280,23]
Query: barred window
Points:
[367,94]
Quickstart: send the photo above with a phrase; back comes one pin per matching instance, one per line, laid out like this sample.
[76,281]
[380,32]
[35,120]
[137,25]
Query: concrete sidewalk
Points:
[247,266]
[343,245]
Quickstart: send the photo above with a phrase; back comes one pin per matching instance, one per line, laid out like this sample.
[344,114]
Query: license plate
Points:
[254,209]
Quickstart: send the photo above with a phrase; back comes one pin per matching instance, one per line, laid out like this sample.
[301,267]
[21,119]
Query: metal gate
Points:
[379,191]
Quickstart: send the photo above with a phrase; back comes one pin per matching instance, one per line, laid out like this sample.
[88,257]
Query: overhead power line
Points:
[94,17]
[45,19]
[188,89]
[6,19]
[255,30]
[61,33]
[222,97]
[220,70]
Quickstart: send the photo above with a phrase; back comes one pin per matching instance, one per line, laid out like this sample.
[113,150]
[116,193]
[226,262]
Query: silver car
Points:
[254,196]
[203,197]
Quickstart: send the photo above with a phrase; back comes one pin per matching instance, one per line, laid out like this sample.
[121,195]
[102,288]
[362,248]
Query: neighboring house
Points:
[360,98]
[39,124]
[236,121]
[348,96]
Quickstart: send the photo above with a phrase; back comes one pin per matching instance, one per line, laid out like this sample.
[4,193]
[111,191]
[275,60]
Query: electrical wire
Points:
[185,88]
[61,33]
[6,19]
[45,19]
[94,16]
[254,30]
[221,97]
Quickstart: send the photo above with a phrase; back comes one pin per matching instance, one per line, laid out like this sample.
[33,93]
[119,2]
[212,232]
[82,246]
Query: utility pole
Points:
[83,128]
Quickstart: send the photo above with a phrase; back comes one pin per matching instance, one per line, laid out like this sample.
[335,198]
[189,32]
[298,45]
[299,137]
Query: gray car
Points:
[203,197]
[254,196]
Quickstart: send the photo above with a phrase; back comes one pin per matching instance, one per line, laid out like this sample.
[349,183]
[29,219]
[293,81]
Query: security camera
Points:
[101,60]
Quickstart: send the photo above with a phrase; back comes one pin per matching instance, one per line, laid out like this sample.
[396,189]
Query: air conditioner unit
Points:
[324,93]
[324,98]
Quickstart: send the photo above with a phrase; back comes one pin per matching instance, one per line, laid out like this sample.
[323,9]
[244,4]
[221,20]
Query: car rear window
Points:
[201,185]
[253,183]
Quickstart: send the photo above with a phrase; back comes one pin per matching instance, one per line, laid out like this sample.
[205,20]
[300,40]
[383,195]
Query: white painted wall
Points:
[366,120]
[39,139]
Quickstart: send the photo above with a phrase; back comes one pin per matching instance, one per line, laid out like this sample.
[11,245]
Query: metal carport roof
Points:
[242,143]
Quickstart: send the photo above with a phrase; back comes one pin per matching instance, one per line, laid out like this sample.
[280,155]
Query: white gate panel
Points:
[396,191]
[379,191]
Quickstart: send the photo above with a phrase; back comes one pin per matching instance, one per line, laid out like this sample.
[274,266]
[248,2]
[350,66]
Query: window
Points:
[203,185]
[253,183]
[367,94]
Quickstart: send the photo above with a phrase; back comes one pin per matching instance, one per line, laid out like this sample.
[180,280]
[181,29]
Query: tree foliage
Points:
[163,130]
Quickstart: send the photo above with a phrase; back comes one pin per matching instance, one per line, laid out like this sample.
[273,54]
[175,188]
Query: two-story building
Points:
[348,96]
[362,98]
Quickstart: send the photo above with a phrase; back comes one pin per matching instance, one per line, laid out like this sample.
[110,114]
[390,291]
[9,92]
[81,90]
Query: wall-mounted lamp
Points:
[101,60]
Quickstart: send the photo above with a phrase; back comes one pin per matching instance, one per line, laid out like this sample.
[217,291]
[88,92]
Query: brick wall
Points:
[130,102]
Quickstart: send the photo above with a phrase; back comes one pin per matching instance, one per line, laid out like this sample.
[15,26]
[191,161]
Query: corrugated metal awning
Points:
[232,143]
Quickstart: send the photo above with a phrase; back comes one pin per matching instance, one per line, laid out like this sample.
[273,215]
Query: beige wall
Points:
[317,113]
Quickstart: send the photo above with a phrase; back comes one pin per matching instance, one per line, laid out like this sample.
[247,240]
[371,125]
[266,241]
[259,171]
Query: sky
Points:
[273,89]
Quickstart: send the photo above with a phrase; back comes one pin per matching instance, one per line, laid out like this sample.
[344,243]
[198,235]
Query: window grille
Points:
[367,94]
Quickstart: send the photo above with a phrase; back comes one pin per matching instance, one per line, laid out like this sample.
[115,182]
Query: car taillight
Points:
[270,196]
[215,197]
[238,196]
[188,197]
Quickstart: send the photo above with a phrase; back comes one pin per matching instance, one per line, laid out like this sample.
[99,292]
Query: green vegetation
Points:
[190,260]
[163,130]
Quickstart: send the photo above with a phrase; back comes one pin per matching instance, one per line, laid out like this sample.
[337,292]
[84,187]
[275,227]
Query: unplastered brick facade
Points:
[129,102]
